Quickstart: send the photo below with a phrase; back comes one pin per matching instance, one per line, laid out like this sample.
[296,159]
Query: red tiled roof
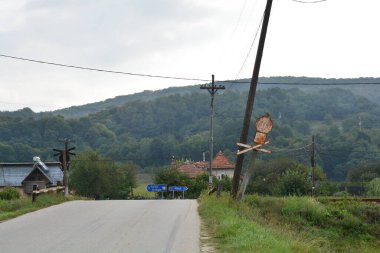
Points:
[221,162]
[191,170]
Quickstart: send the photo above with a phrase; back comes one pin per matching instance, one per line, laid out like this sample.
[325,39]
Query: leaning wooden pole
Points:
[251,99]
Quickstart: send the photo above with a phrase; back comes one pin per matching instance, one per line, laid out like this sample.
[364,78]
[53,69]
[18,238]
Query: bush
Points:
[294,183]
[95,177]
[374,187]
[10,193]
[305,209]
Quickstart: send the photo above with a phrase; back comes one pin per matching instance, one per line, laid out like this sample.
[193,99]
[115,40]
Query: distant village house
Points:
[221,167]
[26,176]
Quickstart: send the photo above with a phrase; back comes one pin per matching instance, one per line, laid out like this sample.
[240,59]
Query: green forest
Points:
[150,128]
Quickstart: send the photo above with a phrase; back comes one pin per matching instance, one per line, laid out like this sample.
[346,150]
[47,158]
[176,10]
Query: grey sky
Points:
[188,38]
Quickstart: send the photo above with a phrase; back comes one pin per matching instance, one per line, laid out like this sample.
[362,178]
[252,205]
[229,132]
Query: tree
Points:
[96,177]
[171,177]
[374,187]
[294,182]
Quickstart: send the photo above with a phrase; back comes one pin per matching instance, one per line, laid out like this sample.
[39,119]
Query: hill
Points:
[370,91]
[149,131]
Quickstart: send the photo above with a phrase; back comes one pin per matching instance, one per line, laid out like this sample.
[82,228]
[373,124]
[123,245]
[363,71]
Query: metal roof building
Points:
[28,174]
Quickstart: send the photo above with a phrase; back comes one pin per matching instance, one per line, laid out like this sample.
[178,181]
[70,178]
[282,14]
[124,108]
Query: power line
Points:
[309,2]
[292,150]
[103,70]
[186,78]
[303,83]
[250,48]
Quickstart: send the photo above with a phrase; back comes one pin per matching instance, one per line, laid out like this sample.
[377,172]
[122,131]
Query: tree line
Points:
[149,132]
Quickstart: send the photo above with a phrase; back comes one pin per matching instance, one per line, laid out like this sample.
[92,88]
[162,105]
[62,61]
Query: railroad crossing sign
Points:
[263,125]
[249,148]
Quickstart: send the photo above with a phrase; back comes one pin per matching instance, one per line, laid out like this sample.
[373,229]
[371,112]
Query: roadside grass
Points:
[143,180]
[141,191]
[291,224]
[12,208]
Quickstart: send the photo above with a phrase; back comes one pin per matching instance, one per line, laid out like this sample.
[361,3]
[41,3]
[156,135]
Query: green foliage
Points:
[95,177]
[173,177]
[346,225]
[326,188]
[364,173]
[149,127]
[294,182]
[199,185]
[374,187]
[16,207]
[306,209]
[9,193]
[235,231]
[284,177]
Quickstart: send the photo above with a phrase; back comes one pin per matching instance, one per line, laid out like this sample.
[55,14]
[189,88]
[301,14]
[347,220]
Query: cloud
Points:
[190,38]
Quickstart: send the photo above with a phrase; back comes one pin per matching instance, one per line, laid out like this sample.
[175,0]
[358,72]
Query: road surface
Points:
[106,226]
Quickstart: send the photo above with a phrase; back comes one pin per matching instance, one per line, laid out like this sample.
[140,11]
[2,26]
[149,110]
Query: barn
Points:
[26,176]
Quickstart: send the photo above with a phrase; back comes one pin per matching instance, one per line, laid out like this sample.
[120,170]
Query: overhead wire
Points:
[250,48]
[183,78]
[309,2]
[103,70]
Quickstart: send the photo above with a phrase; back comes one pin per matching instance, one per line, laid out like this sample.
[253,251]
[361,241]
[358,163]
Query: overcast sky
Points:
[184,38]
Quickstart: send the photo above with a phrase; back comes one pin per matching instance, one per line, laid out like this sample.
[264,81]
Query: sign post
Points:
[179,188]
[157,188]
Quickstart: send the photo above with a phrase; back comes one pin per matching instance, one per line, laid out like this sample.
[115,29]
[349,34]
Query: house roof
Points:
[191,170]
[221,162]
[13,174]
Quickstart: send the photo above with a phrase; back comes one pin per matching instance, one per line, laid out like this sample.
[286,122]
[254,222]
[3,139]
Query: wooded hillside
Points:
[149,131]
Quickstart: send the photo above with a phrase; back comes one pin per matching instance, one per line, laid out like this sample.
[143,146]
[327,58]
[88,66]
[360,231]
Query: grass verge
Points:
[292,224]
[12,208]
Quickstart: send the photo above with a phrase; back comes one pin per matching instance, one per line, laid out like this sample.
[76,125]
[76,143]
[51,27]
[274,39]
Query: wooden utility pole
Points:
[65,170]
[251,99]
[312,160]
[64,158]
[212,89]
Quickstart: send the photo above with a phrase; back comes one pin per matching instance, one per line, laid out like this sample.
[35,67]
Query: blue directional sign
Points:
[156,187]
[178,188]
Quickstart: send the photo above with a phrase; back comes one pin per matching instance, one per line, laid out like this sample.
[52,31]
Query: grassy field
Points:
[142,181]
[291,224]
[12,208]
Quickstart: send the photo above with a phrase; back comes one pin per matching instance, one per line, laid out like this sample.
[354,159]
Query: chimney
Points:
[173,164]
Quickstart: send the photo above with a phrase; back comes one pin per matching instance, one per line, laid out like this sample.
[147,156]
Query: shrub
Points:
[10,193]
[305,209]
[374,187]
[294,182]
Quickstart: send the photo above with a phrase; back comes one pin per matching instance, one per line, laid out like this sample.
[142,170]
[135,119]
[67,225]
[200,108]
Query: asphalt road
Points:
[105,226]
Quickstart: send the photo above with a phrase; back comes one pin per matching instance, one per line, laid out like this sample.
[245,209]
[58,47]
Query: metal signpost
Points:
[157,188]
[180,189]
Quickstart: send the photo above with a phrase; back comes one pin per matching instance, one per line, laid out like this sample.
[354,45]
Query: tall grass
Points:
[12,208]
[237,231]
[291,224]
